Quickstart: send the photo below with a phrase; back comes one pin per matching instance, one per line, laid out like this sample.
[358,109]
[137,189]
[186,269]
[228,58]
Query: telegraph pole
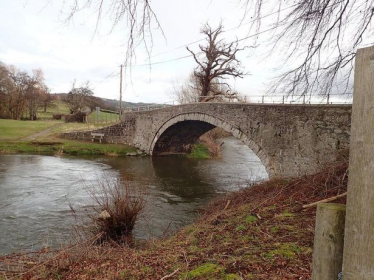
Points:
[120,93]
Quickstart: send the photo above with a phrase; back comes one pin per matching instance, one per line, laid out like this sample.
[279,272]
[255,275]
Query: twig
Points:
[5,206]
[170,275]
[227,205]
[325,200]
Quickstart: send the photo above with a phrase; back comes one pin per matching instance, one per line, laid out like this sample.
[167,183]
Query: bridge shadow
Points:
[179,138]
[182,177]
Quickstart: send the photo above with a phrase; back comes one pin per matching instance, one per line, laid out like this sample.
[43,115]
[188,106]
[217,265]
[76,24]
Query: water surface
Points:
[35,191]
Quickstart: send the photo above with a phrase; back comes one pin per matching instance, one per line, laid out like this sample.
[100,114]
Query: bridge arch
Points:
[170,135]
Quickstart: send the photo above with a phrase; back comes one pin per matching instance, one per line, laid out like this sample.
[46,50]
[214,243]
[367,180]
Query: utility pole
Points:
[120,93]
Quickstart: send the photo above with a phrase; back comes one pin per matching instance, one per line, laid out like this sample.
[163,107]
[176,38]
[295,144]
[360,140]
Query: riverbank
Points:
[42,137]
[65,147]
[260,232]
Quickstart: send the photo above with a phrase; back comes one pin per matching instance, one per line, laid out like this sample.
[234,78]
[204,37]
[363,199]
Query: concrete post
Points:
[358,260]
[328,241]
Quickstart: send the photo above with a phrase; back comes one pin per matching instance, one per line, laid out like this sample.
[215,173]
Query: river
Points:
[35,191]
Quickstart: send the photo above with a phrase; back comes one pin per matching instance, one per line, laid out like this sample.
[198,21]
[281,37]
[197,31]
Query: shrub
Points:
[57,116]
[76,117]
[118,205]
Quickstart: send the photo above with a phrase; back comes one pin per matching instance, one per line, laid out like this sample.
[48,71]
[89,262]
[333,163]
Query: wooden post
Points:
[358,260]
[120,93]
[328,241]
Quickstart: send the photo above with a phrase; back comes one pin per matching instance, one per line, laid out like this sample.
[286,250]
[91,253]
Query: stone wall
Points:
[290,140]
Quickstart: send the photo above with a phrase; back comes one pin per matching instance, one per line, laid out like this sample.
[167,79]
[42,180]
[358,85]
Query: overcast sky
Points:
[33,35]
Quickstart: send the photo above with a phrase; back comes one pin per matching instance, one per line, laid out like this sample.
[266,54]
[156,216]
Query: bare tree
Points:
[323,36]
[190,90]
[20,93]
[46,98]
[35,87]
[218,63]
[187,92]
[7,89]
[79,97]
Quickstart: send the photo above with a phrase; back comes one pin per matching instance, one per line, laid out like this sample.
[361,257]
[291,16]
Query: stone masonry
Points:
[290,140]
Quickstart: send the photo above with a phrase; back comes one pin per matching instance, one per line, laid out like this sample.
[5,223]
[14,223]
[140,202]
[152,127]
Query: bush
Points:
[77,117]
[118,205]
[57,116]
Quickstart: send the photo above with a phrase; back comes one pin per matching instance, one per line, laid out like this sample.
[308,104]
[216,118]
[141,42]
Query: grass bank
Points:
[65,147]
[13,134]
[260,232]
[199,151]
[208,146]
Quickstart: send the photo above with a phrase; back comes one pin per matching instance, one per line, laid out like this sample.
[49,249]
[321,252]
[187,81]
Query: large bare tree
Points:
[217,63]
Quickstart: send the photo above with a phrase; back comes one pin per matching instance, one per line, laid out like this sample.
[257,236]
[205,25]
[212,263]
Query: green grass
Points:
[103,117]
[250,219]
[207,270]
[199,151]
[55,108]
[14,130]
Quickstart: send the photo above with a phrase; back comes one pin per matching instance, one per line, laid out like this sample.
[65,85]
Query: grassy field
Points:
[15,130]
[57,107]
[13,133]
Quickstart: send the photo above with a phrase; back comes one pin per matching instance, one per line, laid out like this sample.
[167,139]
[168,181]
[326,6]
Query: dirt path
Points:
[41,133]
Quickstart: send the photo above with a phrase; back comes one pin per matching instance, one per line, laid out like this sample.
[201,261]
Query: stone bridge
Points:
[290,140]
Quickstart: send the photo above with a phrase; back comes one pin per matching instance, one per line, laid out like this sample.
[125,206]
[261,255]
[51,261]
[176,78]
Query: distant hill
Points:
[125,104]
[112,104]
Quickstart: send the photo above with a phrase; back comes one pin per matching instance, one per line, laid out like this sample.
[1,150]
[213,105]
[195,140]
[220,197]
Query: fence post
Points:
[283,99]
[328,241]
[262,99]
[359,231]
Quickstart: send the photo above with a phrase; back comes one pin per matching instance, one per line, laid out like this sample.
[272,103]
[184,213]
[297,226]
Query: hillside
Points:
[112,104]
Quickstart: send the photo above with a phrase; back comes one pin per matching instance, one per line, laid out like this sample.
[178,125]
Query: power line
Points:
[197,41]
[200,40]
[183,57]
[162,62]
[111,75]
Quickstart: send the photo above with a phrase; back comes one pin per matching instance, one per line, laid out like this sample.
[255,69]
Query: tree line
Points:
[21,93]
